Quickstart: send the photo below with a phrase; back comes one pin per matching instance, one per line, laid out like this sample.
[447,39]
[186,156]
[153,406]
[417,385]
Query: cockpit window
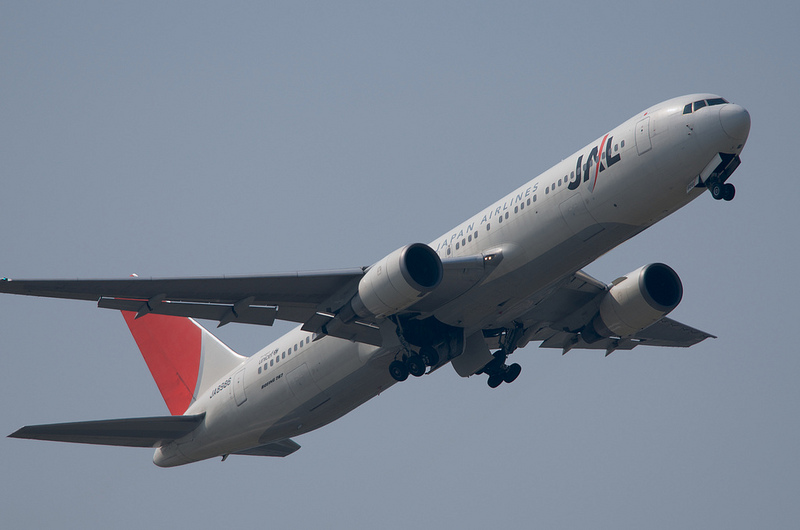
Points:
[702,103]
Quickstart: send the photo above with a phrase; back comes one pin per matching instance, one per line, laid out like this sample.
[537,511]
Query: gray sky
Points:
[177,139]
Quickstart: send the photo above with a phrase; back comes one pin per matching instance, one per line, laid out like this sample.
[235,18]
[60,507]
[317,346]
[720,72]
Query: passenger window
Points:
[622,143]
[506,215]
[457,246]
[500,219]
[687,109]
[476,235]
[469,238]
[271,362]
[699,105]
[463,242]
[283,356]
[488,225]
[547,190]
[307,339]
[259,369]
[295,347]
[516,209]
[529,201]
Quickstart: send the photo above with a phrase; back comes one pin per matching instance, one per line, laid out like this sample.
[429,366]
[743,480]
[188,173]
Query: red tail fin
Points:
[184,358]
[171,347]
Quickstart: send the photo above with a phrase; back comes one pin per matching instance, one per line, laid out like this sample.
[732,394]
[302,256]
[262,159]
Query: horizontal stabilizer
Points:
[127,432]
[282,448]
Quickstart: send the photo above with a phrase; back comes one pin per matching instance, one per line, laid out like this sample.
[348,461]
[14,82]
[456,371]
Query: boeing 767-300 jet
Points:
[507,276]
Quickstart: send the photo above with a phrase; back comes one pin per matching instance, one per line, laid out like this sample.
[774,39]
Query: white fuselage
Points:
[555,224]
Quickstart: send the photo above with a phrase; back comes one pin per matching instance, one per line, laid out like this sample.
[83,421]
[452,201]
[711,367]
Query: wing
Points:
[128,432]
[665,332]
[310,298]
[297,294]
[559,315]
[294,297]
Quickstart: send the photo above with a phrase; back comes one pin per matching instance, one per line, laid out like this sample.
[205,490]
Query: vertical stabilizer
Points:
[183,357]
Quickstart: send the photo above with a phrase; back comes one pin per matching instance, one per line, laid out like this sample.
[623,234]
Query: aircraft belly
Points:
[499,301]
[343,396]
[352,376]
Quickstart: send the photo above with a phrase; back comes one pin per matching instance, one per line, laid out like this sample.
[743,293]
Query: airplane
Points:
[507,276]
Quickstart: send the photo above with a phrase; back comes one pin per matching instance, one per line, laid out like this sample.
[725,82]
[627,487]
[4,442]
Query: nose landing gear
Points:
[717,172]
[721,191]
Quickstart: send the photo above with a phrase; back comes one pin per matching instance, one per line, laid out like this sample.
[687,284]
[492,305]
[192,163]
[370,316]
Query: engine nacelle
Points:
[397,281]
[640,300]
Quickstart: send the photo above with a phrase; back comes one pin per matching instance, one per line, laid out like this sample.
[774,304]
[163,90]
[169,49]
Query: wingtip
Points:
[19,433]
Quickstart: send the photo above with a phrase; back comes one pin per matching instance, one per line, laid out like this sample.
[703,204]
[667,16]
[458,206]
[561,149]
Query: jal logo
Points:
[589,170]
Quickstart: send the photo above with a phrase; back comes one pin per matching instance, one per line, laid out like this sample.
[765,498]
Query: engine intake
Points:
[397,281]
[640,300]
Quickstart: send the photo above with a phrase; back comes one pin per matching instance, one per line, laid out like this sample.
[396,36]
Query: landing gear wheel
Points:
[495,366]
[728,191]
[512,373]
[716,189]
[429,355]
[495,380]
[416,366]
[398,371]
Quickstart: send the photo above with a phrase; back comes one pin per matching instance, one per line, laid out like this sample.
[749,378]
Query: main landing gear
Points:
[721,191]
[499,372]
[414,364]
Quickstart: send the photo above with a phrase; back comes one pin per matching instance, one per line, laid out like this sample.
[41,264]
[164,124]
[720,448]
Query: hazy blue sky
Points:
[172,139]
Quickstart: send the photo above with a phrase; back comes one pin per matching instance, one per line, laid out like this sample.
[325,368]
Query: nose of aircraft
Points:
[735,121]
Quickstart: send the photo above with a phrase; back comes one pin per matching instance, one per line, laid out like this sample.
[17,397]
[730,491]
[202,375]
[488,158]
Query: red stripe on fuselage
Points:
[599,161]
[171,347]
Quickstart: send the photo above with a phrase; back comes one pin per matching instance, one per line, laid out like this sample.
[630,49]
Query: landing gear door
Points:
[238,387]
[305,389]
[476,355]
[578,218]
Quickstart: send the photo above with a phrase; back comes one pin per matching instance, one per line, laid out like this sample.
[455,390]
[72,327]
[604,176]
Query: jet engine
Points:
[397,281]
[639,300]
